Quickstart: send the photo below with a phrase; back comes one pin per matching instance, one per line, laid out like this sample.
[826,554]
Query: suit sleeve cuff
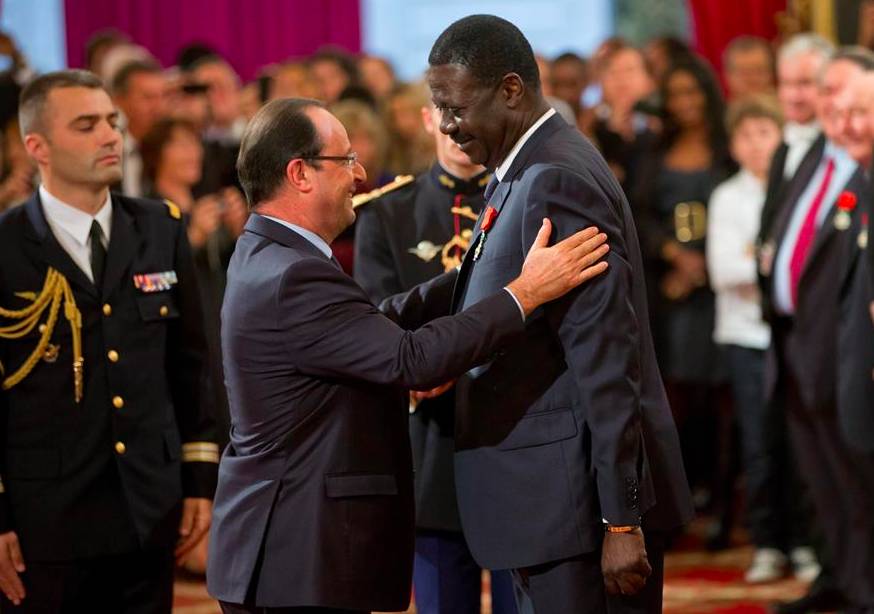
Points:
[199,469]
[518,304]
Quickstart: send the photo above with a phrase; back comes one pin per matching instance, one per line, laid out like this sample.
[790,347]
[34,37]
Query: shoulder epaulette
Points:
[173,209]
[399,182]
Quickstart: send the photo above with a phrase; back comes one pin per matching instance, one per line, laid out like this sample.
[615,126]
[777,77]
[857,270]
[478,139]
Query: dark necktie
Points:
[490,188]
[98,254]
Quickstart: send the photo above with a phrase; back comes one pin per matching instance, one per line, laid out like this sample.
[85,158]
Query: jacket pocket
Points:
[360,485]
[540,429]
[33,464]
[158,306]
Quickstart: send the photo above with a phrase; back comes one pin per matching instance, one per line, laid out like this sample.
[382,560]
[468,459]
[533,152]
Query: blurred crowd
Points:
[695,152]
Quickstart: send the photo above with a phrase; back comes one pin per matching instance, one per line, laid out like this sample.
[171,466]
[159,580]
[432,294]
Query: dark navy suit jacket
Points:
[856,334]
[317,479]
[569,425]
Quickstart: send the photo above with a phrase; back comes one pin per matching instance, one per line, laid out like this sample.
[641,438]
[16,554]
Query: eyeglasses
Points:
[350,159]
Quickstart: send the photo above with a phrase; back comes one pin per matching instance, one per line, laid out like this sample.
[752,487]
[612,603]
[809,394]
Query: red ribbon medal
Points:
[846,203]
[489,217]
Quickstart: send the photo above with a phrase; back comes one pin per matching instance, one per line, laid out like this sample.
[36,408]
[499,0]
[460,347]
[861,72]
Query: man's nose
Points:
[359,173]
[448,125]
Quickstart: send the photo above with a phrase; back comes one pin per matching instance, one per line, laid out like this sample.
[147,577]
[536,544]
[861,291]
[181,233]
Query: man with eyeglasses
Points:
[314,508]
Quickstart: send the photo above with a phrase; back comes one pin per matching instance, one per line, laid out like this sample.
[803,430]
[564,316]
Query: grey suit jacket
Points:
[314,505]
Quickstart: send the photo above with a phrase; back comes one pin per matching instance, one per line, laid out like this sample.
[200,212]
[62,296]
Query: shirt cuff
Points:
[518,304]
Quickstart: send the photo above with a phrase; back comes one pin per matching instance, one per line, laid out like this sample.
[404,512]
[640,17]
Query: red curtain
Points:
[249,34]
[717,22]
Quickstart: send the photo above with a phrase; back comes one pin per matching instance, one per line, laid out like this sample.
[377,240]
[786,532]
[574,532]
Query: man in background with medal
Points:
[814,229]
[403,238]
[108,455]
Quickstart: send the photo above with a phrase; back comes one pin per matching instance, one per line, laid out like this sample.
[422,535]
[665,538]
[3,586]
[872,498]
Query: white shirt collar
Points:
[508,161]
[800,133]
[309,235]
[749,181]
[75,221]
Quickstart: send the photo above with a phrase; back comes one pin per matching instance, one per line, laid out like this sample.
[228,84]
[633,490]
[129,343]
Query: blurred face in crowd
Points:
[332,79]
[449,154]
[749,71]
[685,101]
[181,158]
[377,75]
[333,181]
[223,91]
[796,86]
[79,144]
[364,144]
[294,81]
[143,103]
[837,75]
[406,120]
[753,143]
[625,79]
[471,114]
[855,107]
[569,80]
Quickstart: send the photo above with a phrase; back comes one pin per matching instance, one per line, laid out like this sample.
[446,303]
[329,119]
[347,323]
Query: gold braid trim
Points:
[56,290]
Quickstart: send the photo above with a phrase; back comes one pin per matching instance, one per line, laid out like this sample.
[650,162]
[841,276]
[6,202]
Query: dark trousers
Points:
[446,579]
[576,586]
[236,608]
[775,516]
[136,583]
[841,482]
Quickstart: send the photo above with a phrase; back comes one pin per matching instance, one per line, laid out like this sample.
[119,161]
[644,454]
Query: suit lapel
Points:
[44,247]
[828,231]
[124,243]
[500,197]
[795,189]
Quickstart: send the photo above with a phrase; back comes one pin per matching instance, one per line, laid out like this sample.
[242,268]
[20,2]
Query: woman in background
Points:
[688,160]
[172,155]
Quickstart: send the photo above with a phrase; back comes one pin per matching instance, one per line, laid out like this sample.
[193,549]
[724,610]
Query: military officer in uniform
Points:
[409,232]
[107,449]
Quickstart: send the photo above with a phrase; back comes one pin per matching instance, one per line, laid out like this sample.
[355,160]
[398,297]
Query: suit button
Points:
[117,402]
[107,309]
[163,311]
[112,355]
[42,328]
[120,448]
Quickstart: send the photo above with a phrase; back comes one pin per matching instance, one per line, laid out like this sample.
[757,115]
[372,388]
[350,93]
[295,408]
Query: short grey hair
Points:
[806,42]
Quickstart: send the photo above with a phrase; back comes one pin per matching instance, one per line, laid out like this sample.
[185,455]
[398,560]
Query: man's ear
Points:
[37,147]
[431,127]
[299,175]
[513,90]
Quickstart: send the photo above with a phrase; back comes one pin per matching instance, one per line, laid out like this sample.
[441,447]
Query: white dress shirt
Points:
[845,166]
[734,213]
[799,138]
[72,227]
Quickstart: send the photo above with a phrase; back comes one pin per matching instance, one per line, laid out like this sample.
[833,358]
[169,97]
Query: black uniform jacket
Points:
[402,239]
[105,474]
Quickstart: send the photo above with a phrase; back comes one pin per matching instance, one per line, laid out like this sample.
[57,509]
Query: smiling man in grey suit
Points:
[314,508]
[566,452]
